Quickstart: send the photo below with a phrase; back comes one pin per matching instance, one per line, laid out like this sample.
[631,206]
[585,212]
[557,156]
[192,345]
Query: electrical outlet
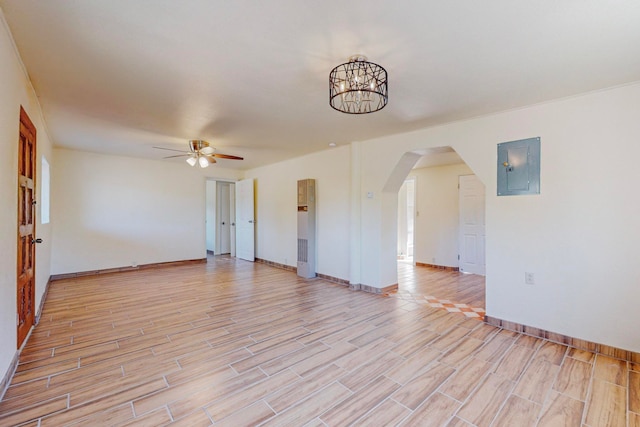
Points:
[529,278]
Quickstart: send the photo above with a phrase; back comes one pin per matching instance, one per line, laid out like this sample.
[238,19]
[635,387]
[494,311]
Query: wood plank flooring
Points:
[419,281]
[233,343]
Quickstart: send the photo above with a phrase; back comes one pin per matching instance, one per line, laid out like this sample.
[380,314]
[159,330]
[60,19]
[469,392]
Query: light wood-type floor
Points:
[454,286]
[233,343]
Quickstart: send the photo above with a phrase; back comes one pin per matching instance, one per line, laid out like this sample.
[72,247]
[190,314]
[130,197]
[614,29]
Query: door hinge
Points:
[458,257]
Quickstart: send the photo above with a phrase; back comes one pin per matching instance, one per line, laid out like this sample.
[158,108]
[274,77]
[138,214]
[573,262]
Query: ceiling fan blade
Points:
[171,149]
[227,156]
[211,159]
[177,155]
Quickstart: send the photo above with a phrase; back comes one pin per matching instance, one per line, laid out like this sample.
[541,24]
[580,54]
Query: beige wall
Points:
[578,236]
[276,209]
[437,220]
[117,211]
[17,91]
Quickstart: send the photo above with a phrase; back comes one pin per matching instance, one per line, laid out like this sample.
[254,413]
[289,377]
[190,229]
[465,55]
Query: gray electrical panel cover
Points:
[519,167]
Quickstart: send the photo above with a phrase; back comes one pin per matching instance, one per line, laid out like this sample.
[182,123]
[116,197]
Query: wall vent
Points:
[303,252]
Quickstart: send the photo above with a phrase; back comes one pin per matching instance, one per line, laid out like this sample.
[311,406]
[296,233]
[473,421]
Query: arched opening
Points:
[440,232]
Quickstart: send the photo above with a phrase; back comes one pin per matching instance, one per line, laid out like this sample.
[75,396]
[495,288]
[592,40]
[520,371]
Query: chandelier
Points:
[358,86]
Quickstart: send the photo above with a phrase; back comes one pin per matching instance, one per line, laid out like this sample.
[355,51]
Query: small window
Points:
[44,192]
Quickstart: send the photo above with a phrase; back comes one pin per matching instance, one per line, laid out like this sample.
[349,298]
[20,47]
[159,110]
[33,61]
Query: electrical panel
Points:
[307,228]
[519,167]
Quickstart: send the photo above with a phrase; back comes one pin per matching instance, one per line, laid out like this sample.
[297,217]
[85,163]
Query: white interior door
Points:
[232,218]
[224,220]
[472,226]
[245,221]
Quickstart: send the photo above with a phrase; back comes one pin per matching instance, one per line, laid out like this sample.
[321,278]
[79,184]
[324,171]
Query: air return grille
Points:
[303,253]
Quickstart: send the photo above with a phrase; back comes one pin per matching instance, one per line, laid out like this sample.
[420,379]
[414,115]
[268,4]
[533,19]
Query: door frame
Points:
[25,301]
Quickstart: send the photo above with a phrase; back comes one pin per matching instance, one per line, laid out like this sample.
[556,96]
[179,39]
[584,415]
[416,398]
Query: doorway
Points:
[220,218]
[435,271]
[225,226]
[406,220]
[26,226]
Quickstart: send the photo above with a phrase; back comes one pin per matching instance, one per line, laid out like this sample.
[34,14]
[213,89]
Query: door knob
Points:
[36,241]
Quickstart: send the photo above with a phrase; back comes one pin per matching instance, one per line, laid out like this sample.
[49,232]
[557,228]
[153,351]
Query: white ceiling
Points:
[251,77]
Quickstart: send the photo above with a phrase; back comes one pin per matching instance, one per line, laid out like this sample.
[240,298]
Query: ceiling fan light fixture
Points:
[195,145]
[358,86]
[200,152]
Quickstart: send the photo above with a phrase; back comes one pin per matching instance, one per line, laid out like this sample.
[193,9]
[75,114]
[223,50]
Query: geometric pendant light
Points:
[358,86]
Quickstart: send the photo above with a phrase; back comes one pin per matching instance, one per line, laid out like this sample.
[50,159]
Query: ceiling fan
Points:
[200,152]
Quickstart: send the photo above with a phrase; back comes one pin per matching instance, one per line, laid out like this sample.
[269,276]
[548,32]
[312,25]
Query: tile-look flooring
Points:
[445,285]
[452,291]
[234,343]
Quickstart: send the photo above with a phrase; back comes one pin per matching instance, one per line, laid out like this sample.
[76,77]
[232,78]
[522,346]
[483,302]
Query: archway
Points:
[441,231]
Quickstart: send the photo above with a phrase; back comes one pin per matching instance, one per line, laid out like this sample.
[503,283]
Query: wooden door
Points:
[245,231]
[26,226]
[472,227]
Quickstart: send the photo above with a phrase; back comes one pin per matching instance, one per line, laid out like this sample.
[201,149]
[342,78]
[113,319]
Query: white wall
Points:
[276,209]
[115,211]
[437,214]
[578,236]
[16,90]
